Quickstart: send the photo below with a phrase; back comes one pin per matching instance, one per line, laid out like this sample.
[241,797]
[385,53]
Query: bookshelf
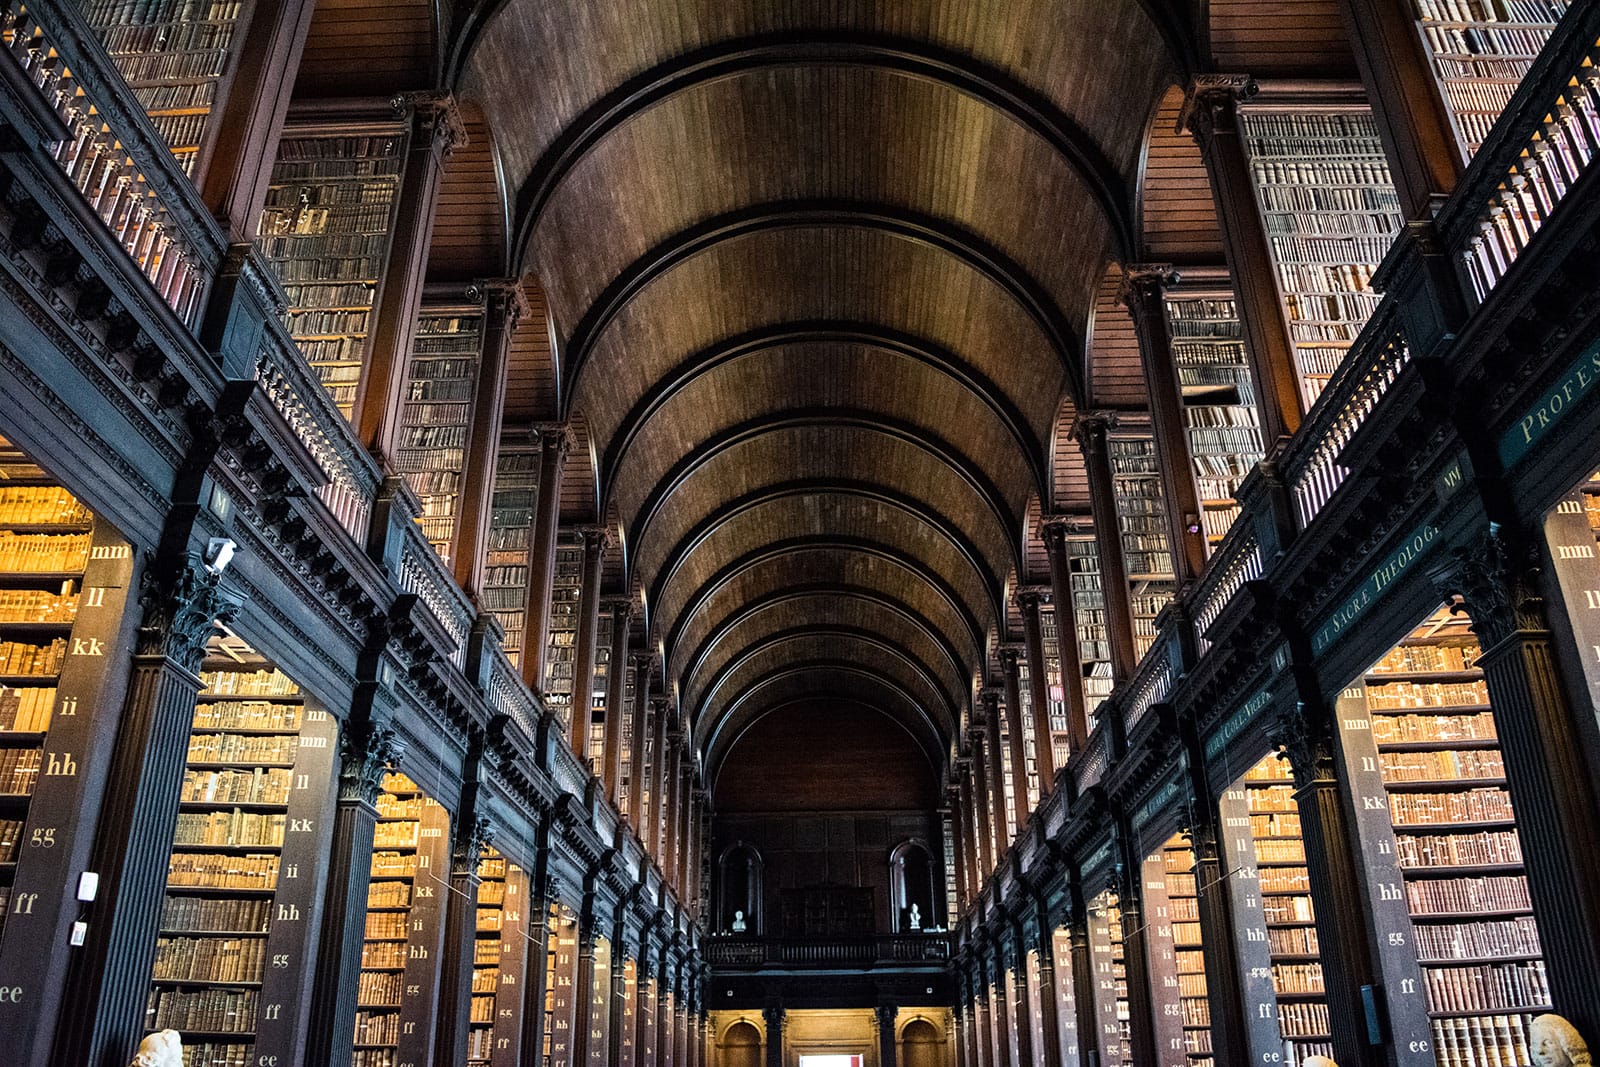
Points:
[1089,615]
[1110,980]
[404,928]
[599,994]
[64,580]
[1219,402]
[1455,842]
[499,963]
[175,56]
[506,561]
[431,442]
[627,1041]
[1029,738]
[1055,687]
[1142,519]
[1479,51]
[625,722]
[599,713]
[1283,968]
[560,985]
[566,587]
[326,229]
[1177,961]
[1330,212]
[252,814]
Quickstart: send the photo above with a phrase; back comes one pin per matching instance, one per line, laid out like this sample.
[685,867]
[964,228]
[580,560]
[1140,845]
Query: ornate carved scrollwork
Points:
[1212,101]
[367,751]
[437,119]
[180,606]
[1304,735]
[1496,577]
[471,839]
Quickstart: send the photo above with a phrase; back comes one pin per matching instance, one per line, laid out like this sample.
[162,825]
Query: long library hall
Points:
[879,533]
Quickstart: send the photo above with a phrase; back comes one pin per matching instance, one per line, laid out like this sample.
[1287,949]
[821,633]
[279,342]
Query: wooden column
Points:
[1230,1041]
[1135,948]
[554,441]
[1091,433]
[583,984]
[1551,783]
[471,835]
[981,807]
[1334,869]
[617,711]
[773,1016]
[1017,742]
[883,1020]
[583,660]
[680,852]
[436,132]
[671,841]
[1044,744]
[108,979]
[1083,978]
[984,1038]
[994,983]
[997,774]
[958,816]
[1144,292]
[971,810]
[504,306]
[1211,112]
[1411,117]
[235,165]
[1055,544]
[1049,998]
[658,776]
[1023,1012]
[619,1043]
[643,665]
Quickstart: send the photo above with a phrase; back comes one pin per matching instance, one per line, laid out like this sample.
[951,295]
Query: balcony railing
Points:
[865,951]
[1544,141]
[114,157]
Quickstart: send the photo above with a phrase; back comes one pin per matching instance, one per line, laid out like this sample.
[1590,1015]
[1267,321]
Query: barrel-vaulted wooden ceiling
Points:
[821,278]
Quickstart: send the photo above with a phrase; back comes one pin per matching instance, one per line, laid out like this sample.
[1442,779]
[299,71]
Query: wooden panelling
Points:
[1178,215]
[469,232]
[530,372]
[1116,378]
[578,492]
[368,48]
[868,762]
[1283,37]
[1069,479]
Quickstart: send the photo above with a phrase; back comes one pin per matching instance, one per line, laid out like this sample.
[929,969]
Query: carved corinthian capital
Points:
[180,605]
[367,751]
[1496,577]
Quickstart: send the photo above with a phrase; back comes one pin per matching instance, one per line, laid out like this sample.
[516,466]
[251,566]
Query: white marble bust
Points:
[1319,1061]
[738,922]
[1557,1043]
[916,917]
[164,1048]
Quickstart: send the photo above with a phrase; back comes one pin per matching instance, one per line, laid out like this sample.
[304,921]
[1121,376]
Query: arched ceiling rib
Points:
[820,276]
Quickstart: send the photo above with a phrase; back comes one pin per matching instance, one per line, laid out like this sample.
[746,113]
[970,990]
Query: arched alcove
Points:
[740,890]
[911,882]
[741,1046]
[921,1044]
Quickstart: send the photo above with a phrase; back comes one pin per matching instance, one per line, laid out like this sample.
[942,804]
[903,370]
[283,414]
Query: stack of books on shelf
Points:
[430,451]
[506,559]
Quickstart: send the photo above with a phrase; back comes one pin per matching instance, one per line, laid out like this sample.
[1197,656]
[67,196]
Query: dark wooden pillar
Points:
[1551,783]
[883,1018]
[1144,292]
[658,775]
[504,306]
[1083,975]
[681,848]
[472,834]
[1028,602]
[368,749]
[1212,114]
[1135,947]
[1049,1005]
[1411,117]
[773,1016]
[1055,544]
[1024,1008]
[1091,433]
[1016,739]
[617,711]
[1333,866]
[983,1036]
[619,1043]
[994,980]
[554,442]
[109,977]
[643,665]
[583,984]
[436,132]
[983,851]
[584,656]
[672,807]
[968,810]
[958,846]
[235,166]
[998,825]
[1224,993]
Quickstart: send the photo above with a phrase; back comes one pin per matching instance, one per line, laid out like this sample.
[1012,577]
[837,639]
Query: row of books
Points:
[389,894]
[19,771]
[242,748]
[1297,978]
[1458,850]
[1461,941]
[1394,729]
[380,955]
[261,785]
[1488,987]
[1303,1020]
[377,987]
[25,659]
[1293,940]
[377,1027]
[47,553]
[1546,11]
[1476,1041]
[36,505]
[217,1011]
[1287,908]
[203,870]
[262,683]
[209,959]
[401,834]
[252,715]
[1393,695]
[1441,765]
[10,840]
[1472,805]
[181,914]
[27,709]
[38,605]
[230,828]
